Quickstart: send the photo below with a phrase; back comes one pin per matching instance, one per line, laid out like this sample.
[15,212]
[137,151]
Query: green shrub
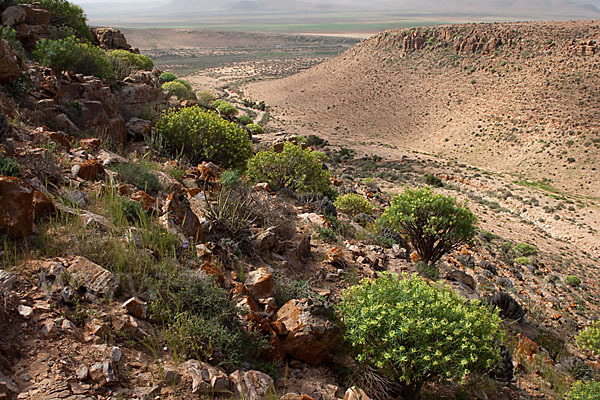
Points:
[71,54]
[66,14]
[429,271]
[8,167]
[413,332]
[177,89]
[224,108]
[205,98]
[572,280]
[255,129]
[522,261]
[315,141]
[139,61]
[589,338]
[184,83]
[231,178]
[433,180]
[296,169]
[201,321]
[352,204]
[10,35]
[245,120]
[202,135]
[584,391]
[434,224]
[138,175]
[526,249]
[167,77]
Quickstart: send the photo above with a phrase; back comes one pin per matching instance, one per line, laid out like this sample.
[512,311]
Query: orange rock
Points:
[89,170]
[209,172]
[335,256]
[147,202]
[414,257]
[260,283]
[42,204]
[211,269]
[91,144]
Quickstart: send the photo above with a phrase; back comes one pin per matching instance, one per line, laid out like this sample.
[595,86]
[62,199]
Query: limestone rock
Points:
[309,337]
[92,277]
[251,385]
[206,379]
[13,15]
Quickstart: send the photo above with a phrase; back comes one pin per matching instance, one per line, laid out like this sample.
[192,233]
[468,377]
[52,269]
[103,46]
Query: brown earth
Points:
[514,98]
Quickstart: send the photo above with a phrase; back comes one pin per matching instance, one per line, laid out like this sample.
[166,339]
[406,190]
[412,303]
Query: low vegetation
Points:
[201,135]
[9,167]
[294,168]
[412,332]
[589,338]
[224,108]
[138,175]
[177,89]
[433,223]
[353,204]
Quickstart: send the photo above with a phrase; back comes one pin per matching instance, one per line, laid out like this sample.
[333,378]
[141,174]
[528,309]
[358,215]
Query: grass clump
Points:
[74,55]
[589,338]
[9,167]
[573,280]
[434,224]
[523,261]
[412,332]
[202,135]
[433,180]
[296,169]
[353,204]
[526,249]
[139,175]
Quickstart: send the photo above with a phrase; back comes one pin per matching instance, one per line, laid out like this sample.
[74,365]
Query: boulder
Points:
[35,15]
[260,283]
[206,379]
[462,277]
[13,15]
[17,211]
[42,205]
[309,337]
[88,170]
[9,63]
[138,128]
[509,308]
[92,277]
[110,38]
[356,393]
[141,92]
[103,373]
[179,217]
[136,307]
[251,385]
[90,145]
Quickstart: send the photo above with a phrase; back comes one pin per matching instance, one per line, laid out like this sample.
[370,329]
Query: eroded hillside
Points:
[516,98]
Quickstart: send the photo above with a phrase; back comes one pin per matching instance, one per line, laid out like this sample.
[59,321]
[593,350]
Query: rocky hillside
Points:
[515,98]
[132,266]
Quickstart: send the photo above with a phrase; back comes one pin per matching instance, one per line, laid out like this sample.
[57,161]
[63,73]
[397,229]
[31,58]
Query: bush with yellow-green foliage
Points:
[224,108]
[297,169]
[353,204]
[255,129]
[167,77]
[245,120]
[205,98]
[412,331]
[589,338]
[139,61]
[202,135]
[433,223]
[584,391]
[74,55]
[177,89]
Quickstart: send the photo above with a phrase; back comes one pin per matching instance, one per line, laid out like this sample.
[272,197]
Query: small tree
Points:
[295,168]
[413,332]
[434,224]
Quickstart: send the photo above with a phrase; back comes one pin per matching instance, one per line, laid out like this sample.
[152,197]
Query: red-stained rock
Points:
[147,202]
[212,270]
[91,144]
[42,205]
[17,211]
[180,218]
[309,337]
[88,170]
[9,63]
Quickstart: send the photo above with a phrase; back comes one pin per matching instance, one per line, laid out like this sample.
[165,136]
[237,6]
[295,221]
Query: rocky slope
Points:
[516,98]
[107,246]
